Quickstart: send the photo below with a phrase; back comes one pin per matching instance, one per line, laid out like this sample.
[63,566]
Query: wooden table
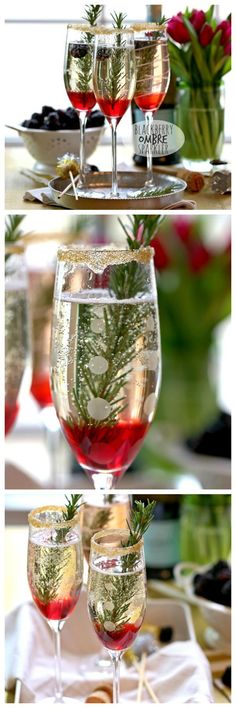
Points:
[16,538]
[18,158]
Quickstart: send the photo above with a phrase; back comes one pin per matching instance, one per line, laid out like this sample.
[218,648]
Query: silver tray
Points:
[168,190]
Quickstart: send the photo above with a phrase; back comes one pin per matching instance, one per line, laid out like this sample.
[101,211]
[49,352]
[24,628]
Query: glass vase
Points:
[210,515]
[188,395]
[200,114]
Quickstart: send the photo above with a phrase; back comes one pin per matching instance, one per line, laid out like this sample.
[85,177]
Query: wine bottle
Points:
[165,113]
[162,539]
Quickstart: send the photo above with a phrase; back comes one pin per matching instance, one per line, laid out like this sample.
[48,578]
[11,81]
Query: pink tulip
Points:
[197,19]
[225,28]
[177,30]
[206,34]
[227,49]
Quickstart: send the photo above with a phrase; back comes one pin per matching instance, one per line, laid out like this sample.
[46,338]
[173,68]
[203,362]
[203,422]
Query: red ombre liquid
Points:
[40,389]
[57,609]
[11,412]
[150,102]
[82,100]
[118,639]
[107,448]
[113,109]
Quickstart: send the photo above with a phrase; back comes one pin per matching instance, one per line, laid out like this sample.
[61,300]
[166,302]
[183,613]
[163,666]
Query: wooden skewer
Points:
[68,187]
[141,677]
[146,683]
[73,185]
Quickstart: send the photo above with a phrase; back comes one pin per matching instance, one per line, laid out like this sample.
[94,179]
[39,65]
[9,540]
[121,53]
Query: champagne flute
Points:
[105,356]
[100,511]
[17,368]
[55,571]
[153,76]
[116,594]
[114,81]
[78,64]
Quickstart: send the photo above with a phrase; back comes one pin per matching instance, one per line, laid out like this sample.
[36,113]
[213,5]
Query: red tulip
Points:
[227,49]
[199,257]
[177,30]
[206,34]
[183,228]
[161,257]
[225,28]
[197,19]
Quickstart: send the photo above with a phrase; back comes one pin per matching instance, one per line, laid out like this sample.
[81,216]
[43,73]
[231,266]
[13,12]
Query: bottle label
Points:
[162,544]
[158,137]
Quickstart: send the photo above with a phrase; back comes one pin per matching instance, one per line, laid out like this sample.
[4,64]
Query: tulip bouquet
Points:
[200,55]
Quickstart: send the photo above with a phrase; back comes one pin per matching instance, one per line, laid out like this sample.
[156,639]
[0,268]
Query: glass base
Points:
[203,166]
[53,700]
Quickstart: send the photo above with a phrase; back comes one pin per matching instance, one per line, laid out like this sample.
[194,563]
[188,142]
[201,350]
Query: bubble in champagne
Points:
[99,408]
[149,404]
[98,365]
[108,606]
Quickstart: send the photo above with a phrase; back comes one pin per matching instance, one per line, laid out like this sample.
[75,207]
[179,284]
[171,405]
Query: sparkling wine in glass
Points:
[116,594]
[55,571]
[78,66]
[114,81]
[17,365]
[153,76]
[105,356]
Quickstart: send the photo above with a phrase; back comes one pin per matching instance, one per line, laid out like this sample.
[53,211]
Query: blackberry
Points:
[79,50]
[166,634]
[141,44]
[95,119]
[32,123]
[38,117]
[26,123]
[52,121]
[46,110]
[63,119]
[226,678]
[226,594]
[72,118]
[103,53]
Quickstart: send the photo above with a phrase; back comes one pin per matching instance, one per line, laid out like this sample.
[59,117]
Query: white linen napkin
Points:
[178,673]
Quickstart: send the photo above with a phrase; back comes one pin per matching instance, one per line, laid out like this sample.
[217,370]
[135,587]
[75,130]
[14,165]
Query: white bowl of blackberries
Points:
[50,134]
[212,585]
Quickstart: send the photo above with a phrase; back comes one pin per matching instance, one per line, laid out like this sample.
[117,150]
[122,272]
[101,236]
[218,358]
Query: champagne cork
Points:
[101,694]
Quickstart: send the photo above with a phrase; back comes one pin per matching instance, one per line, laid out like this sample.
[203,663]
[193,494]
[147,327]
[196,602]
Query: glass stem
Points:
[57,661]
[82,121]
[148,123]
[116,657]
[114,189]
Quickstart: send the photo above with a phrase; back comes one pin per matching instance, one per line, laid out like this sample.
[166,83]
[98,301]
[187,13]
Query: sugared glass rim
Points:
[107,550]
[105,256]
[100,29]
[145,26]
[40,524]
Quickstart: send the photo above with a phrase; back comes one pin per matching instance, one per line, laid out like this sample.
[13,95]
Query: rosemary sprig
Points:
[13,232]
[72,505]
[140,519]
[48,572]
[92,14]
[116,79]
[140,229]
[118,19]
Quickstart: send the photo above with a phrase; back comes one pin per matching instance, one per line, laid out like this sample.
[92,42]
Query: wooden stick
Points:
[141,677]
[68,187]
[146,683]
[73,185]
